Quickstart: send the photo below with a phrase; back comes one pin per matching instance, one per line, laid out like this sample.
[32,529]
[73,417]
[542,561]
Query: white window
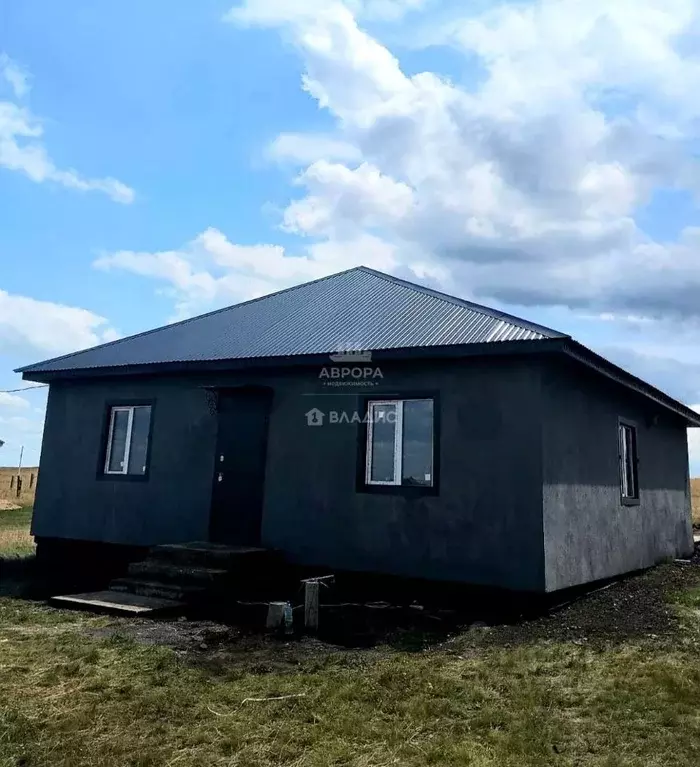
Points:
[400,443]
[127,442]
[629,480]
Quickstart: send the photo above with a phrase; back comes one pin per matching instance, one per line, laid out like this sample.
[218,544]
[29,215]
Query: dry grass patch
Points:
[8,487]
[695,499]
[15,540]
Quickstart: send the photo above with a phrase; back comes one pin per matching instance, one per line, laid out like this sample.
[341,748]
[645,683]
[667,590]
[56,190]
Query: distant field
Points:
[8,485]
[695,495]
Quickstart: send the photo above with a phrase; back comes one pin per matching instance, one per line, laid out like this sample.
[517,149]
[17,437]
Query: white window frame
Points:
[628,494]
[398,404]
[127,445]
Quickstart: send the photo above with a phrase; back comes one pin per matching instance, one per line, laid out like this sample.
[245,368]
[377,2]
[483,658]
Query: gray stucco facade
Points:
[589,533]
[528,496]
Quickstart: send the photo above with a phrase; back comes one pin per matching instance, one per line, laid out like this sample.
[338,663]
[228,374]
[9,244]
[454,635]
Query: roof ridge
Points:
[187,320]
[463,303]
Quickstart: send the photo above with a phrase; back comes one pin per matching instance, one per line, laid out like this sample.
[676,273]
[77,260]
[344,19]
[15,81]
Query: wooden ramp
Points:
[119,602]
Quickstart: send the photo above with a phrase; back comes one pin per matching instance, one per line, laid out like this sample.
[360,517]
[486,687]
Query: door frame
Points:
[215,393]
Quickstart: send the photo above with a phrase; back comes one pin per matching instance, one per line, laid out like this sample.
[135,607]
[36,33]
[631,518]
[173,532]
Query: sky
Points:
[158,161]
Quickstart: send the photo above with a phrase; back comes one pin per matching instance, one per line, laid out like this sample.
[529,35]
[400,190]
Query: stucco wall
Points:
[589,534]
[73,500]
[484,526]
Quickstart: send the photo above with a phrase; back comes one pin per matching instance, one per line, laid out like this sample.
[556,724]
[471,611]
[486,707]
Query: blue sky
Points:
[160,161]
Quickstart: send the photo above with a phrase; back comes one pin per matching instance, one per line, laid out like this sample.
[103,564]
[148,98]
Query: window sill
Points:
[102,477]
[405,491]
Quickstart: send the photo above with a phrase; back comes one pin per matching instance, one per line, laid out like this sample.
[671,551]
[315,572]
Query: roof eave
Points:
[565,345]
[599,364]
[487,348]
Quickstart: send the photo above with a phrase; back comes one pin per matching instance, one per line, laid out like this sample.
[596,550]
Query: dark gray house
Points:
[365,423]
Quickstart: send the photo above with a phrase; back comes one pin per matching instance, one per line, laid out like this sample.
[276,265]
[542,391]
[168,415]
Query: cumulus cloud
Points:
[307,148]
[210,271]
[8,400]
[29,328]
[14,75]
[524,187]
[22,148]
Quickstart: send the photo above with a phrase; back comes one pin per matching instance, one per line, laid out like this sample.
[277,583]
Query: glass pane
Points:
[417,465]
[140,429]
[628,459]
[630,468]
[120,426]
[623,462]
[383,432]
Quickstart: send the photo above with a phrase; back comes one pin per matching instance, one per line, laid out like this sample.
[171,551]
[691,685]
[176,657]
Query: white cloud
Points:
[362,198]
[210,271]
[29,328]
[306,148]
[15,75]
[525,187]
[386,10]
[22,149]
[21,425]
[12,400]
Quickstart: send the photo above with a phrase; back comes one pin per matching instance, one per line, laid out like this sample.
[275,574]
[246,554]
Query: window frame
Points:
[622,424]
[363,483]
[103,472]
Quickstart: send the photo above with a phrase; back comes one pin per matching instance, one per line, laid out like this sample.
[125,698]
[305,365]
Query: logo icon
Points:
[315,417]
[351,355]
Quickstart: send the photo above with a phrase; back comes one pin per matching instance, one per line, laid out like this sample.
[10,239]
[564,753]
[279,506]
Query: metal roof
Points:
[358,309]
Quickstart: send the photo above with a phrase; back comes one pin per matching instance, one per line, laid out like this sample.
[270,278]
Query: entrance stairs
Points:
[179,575]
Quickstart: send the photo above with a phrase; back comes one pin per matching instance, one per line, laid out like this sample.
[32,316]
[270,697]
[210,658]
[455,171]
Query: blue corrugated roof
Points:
[358,309]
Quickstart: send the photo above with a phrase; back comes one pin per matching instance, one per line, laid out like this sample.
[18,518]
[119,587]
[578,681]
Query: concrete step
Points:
[118,602]
[182,575]
[213,555]
[158,590]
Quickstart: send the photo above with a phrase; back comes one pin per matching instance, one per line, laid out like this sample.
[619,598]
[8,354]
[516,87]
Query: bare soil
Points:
[639,607]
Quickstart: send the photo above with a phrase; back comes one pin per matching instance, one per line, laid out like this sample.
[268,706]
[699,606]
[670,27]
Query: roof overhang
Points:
[585,356]
[566,346]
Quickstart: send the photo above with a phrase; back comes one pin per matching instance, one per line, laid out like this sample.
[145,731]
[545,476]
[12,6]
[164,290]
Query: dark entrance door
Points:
[239,469]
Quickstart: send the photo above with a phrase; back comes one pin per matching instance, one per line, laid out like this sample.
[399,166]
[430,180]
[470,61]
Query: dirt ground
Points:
[640,607]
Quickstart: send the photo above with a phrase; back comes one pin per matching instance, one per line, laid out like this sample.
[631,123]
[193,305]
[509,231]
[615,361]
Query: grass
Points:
[15,540]
[72,700]
[76,690]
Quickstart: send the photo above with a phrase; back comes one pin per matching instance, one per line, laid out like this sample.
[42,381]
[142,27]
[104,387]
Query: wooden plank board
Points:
[118,601]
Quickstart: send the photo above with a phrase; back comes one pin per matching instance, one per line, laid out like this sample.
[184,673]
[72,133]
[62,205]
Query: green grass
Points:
[15,540]
[76,690]
[73,700]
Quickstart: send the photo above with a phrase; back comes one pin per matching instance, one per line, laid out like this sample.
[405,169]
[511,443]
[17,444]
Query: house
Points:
[365,423]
